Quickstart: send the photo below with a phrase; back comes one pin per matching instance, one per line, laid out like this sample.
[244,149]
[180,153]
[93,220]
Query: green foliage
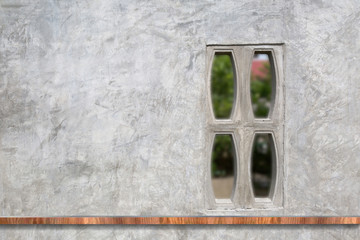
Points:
[222,86]
[222,156]
[222,89]
[261,165]
[261,93]
[262,154]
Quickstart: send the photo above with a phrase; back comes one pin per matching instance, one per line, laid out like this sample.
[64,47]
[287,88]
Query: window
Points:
[245,126]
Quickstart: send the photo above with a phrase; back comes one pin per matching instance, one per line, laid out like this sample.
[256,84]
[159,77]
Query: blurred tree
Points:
[222,96]
[222,86]
[222,93]
[261,169]
[260,87]
[222,156]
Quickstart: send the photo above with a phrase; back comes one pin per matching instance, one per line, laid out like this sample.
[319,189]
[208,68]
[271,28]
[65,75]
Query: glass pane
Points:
[222,85]
[261,84]
[262,164]
[222,166]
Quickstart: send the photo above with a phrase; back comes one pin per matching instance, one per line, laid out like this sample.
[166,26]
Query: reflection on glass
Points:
[262,164]
[222,166]
[261,84]
[222,85]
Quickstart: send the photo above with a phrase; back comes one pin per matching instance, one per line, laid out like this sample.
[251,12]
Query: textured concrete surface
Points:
[102,111]
[266,232]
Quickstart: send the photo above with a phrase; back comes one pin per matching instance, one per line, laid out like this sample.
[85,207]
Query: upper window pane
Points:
[222,85]
[261,84]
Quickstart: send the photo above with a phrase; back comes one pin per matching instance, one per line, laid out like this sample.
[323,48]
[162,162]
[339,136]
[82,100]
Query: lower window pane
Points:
[222,166]
[262,161]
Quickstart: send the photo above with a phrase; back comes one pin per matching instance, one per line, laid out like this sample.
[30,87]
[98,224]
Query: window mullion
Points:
[244,131]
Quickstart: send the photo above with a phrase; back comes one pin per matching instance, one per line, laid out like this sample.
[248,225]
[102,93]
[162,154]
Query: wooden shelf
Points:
[179,220]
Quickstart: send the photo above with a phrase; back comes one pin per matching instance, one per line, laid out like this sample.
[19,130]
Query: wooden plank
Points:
[179,220]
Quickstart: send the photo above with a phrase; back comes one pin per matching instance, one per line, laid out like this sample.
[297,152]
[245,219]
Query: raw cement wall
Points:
[102,111]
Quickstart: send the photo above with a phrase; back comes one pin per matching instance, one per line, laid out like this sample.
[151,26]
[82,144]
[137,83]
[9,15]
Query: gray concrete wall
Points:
[102,112]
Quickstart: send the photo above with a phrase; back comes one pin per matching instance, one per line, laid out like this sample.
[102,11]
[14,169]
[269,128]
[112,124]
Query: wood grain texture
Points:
[179,220]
